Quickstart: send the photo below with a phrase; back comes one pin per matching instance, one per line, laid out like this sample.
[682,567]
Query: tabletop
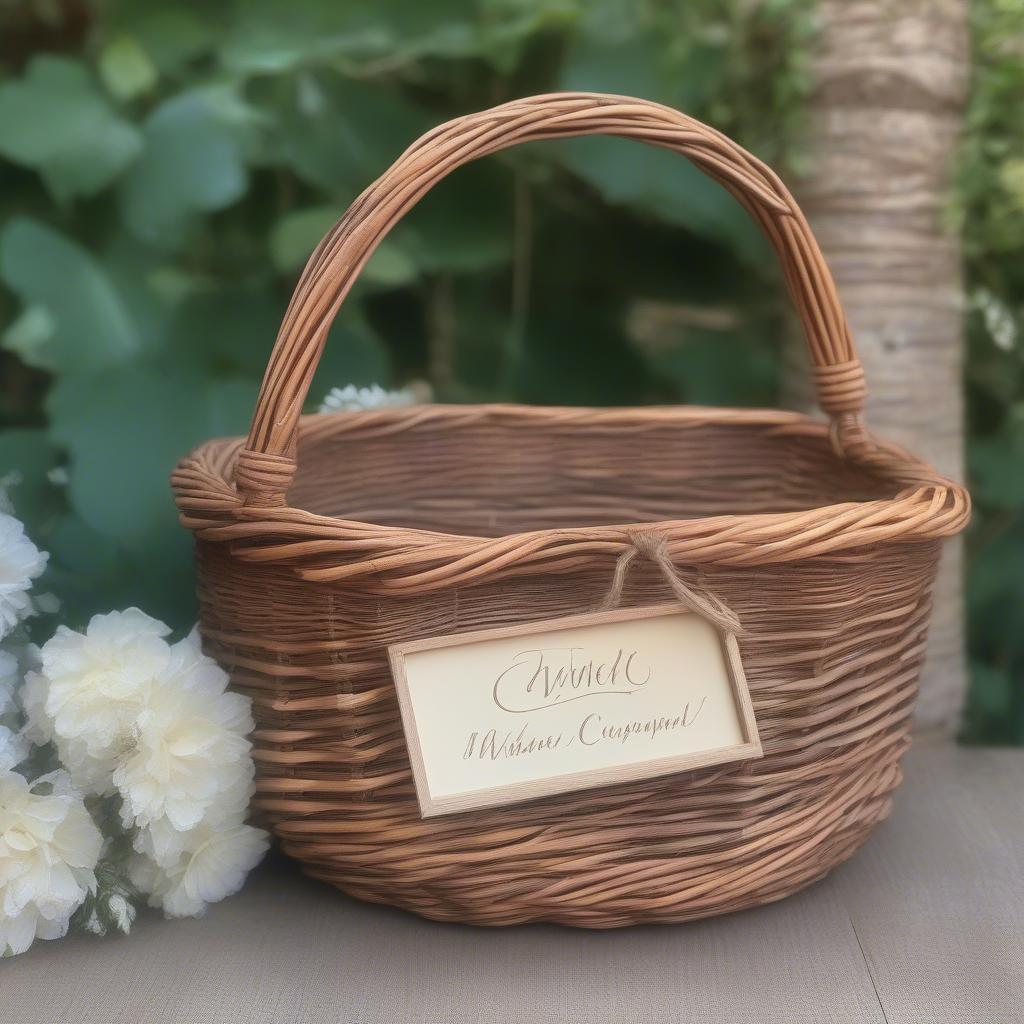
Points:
[924,924]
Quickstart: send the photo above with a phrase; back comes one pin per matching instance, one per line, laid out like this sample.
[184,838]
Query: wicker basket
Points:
[320,540]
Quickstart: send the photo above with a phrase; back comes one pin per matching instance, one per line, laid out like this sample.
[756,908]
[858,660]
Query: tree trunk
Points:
[890,83]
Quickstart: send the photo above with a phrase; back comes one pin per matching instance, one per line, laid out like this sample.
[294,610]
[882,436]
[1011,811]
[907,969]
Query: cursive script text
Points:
[547,676]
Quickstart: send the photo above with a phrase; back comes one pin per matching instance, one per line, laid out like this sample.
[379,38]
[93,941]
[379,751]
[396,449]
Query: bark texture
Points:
[891,80]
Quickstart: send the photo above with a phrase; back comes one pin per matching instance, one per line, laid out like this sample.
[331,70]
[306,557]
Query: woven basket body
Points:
[322,540]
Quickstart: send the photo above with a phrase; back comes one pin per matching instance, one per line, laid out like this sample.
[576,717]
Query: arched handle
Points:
[267,464]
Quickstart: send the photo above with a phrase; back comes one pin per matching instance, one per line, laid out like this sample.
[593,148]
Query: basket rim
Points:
[401,559]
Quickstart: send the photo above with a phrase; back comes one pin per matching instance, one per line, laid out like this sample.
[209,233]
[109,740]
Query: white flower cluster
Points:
[351,398]
[151,746]
[152,722]
[49,843]
[998,317]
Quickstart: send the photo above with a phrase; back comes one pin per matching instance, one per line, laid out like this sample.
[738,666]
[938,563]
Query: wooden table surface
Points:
[925,925]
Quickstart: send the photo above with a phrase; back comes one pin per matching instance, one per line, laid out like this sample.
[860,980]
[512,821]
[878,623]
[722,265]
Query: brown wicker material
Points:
[322,539]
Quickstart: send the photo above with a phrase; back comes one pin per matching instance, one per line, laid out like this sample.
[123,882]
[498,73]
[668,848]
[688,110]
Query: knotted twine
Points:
[652,546]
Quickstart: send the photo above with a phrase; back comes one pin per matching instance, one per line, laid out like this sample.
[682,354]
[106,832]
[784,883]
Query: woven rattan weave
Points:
[322,539]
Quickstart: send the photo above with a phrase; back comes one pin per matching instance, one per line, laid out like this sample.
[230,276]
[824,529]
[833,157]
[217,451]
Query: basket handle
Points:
[267,464]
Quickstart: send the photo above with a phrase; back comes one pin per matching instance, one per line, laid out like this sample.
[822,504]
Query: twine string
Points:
[652,546]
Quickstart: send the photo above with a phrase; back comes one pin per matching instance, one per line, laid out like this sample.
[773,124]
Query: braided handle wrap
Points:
[266,465]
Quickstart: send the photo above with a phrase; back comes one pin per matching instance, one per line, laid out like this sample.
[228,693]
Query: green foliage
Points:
[991,210]
[56,121]
[192,164]
[167,170]
[74,319]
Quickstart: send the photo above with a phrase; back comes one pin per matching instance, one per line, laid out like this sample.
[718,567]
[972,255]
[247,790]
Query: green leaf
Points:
[170,35]
[192,164]
[126,68]
[125,430]
[88,323]
[268,38]
[625,51]
[995,710]
[93,573]
[996,463]
[620,62]
[663,184]
[633,56]
[339,134]
[465,223]
[509,27]
[991,691]
[297,234]
[29,337]
[55,121]
[995,581]
[227,329]
[390,266]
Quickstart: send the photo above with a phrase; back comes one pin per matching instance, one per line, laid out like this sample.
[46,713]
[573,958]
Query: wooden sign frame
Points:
[431,805]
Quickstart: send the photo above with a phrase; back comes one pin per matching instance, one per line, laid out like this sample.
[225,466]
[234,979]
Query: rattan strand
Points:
[322,540]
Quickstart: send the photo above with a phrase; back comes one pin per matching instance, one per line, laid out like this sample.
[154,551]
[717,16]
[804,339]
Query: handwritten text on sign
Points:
[521,712]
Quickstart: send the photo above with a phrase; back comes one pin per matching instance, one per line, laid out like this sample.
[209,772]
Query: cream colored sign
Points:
[512,714]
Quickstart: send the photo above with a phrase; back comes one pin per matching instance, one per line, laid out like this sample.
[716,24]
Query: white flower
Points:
[213,865]
[145,874]
[49,846]
[350,398]
[96,685]
[122,911]
[20,563]
[14,749]
[38,727]
[163,843]
[189,743]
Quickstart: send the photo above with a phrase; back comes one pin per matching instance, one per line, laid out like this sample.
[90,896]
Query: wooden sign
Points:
[515,713]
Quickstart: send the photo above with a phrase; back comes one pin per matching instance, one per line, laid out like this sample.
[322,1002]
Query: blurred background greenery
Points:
[165,169]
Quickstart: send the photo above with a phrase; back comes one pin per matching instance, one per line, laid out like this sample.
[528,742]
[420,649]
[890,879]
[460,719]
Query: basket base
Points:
[711,894]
